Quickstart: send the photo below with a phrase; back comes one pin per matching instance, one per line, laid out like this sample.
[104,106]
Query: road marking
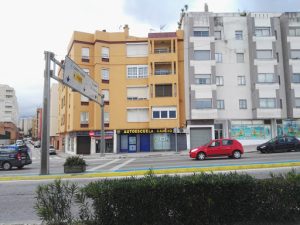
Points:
[103,165]
[121,165]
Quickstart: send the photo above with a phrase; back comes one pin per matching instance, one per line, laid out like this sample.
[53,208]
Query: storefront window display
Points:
[291,128]
[251,132]
[161,141]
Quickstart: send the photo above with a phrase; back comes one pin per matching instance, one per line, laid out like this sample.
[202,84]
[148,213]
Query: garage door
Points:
[84,145]
[200,136]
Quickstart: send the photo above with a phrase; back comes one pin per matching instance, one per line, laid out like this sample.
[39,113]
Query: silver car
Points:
[52,150]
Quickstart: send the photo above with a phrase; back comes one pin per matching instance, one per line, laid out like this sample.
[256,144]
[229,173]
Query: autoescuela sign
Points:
[145,131]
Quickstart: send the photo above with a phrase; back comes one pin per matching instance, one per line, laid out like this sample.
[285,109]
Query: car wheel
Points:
[6,166]
[236,154]
[20,167]
[201,156]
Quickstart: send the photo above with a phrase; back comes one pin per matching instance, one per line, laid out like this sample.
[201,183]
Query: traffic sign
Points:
[79,80]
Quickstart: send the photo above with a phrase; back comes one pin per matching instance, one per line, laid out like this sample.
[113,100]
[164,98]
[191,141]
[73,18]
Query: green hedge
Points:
[198,199]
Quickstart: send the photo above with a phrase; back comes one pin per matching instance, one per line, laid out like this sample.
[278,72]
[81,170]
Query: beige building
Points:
[144,103]
[54,136]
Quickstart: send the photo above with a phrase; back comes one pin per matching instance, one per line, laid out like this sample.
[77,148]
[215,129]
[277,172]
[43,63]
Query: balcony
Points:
[296,112]
[204,114]
[163,69]
[269,113]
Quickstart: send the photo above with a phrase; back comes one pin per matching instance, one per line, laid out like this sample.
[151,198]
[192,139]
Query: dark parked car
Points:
[14,156]
[280,144]
[219,147]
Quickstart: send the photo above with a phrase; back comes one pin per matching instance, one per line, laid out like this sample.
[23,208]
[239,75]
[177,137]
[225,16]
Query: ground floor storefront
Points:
[248,132]
[124,141]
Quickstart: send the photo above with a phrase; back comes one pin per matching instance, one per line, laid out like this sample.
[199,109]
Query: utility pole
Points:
[102,151]
[46,116]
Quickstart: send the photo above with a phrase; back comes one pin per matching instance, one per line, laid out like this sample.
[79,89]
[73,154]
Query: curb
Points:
[145,172]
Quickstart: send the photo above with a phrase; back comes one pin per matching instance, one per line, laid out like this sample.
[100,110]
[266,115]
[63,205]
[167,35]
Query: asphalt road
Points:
[17,198]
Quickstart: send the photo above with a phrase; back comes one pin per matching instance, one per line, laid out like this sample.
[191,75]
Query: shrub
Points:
[75,161]
[54,201]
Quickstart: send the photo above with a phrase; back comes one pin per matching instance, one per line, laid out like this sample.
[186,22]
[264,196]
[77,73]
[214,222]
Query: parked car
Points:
[219,147]
[14,156]
[52,150]
[37,144]
[280,144]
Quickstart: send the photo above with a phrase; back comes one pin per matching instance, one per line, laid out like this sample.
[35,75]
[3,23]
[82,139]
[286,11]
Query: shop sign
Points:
[145,131]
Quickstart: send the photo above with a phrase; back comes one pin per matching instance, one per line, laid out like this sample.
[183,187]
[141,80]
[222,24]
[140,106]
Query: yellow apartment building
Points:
[142,82]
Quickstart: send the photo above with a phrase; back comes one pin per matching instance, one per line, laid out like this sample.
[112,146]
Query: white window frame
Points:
[104,52]
[218,57]
[241,80]
[105,74]
[220,104]
[201,31]
[85,53]
[218,35]
[138,97]
[267,103]
[162,110]
[262,31]
[238,35]
[242,103]
[106,117]
[137,71]
[203,100]
[137,119]
[266,78]
[219,80]
[203,79]
[84,117]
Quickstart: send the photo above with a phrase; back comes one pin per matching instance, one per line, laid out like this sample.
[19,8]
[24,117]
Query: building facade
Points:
[25,124]
[54,136]
[238,73]
[140,79]
[9,110]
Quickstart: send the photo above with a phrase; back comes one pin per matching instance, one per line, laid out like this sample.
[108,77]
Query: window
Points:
[267,102]
[297,102]
[203,104]
[264,54]
[241,80]
[238,35]
[262,31]
[219,80]
[239,57]
[243,103]
[201,31]
[106,117]
[163,90]
[85,54]
[203,79]
[227,142]
[294,31]
[105,74]
[215,144]
[295,54]
[218,35]
[84,99]
[137,71]
[138,115]
[84,118]
[202,55]
[296,78]
[137,93]
[137,49]
[164,113]
[106,95]
[105,54]
[218,57]
[266,78]
[220,104]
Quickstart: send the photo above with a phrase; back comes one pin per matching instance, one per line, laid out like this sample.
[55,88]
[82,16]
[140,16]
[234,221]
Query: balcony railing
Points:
[162,72]
[162,50]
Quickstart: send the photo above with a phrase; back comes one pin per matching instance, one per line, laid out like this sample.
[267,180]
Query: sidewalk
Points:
[184,153]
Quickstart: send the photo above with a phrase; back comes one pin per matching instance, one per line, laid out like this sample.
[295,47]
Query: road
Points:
[17,198]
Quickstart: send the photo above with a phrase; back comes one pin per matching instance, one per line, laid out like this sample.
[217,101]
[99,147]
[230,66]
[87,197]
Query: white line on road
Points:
[121,165]
[103,165]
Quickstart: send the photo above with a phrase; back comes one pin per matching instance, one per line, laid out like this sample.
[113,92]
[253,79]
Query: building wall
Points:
[9,111]
[117,105]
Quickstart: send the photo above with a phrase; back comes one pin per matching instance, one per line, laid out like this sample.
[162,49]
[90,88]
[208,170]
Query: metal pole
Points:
[46,115]
[102,126]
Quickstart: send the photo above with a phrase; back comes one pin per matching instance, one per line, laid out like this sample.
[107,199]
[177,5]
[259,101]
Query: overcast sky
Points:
[29,27]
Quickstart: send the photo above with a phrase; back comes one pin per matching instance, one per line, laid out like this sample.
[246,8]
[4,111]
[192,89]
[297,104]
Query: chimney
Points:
[126,29]
[205,7]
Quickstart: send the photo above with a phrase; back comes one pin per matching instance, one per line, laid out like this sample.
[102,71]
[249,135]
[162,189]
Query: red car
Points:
[219,147]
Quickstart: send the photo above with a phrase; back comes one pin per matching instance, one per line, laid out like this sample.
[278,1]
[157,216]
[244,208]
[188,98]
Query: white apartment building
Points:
[25,124]
[235,76]
[9,111]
